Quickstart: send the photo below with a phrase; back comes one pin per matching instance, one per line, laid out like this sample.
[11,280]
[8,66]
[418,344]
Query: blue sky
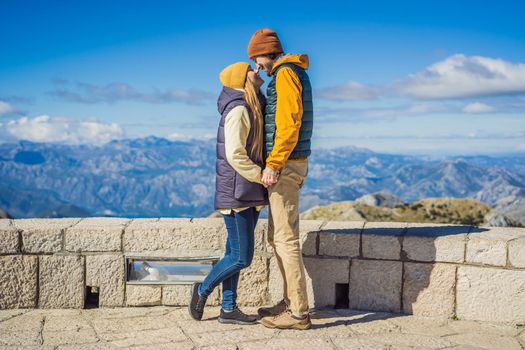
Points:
[434,77]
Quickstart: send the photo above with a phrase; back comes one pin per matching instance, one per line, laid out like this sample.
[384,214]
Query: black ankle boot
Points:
[197,303]
[236,316]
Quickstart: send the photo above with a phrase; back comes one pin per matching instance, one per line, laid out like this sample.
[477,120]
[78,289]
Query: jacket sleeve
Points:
[288,117]
[236,130]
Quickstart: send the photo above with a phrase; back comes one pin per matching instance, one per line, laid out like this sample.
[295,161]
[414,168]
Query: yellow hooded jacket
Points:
[289,110]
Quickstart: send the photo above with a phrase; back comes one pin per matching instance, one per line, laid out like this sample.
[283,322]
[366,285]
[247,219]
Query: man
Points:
[288,130]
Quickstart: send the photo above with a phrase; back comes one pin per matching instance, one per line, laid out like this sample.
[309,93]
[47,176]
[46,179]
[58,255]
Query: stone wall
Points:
[472,273]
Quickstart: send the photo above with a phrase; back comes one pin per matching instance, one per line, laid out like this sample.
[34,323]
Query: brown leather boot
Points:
[275,310]
[287,320]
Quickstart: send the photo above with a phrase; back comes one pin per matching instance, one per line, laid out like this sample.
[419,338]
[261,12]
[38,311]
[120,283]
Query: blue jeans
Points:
[238,255]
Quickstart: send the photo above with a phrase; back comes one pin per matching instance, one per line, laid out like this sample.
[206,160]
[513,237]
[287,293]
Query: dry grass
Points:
[430,210]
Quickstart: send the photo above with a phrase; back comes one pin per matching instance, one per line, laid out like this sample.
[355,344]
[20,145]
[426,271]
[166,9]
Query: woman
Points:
[239,193]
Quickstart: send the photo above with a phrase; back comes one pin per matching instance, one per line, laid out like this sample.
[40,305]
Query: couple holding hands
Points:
[263,145]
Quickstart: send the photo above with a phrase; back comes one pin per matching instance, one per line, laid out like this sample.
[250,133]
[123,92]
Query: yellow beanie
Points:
[234,75]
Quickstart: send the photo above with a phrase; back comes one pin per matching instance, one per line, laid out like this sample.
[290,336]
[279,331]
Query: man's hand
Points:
[269,177]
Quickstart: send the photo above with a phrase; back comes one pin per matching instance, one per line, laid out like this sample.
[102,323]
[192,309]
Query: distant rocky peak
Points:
[380,199]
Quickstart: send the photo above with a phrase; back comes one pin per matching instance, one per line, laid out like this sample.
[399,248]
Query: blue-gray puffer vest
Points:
[231,189]
[303,147]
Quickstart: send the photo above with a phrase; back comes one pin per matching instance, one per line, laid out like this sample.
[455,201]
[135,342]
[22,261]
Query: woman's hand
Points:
[269,177]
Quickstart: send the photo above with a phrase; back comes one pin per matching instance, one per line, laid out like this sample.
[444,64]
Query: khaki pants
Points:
[283,232]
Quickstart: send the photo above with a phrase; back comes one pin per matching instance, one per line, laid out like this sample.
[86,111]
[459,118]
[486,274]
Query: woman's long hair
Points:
[251,97]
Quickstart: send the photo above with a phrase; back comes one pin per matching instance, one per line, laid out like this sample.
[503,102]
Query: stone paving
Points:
[163,327]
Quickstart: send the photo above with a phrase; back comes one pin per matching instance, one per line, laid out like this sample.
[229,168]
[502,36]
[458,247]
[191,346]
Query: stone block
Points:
[107,272]
[322,277]
[96,235]
[178,237]
[340,239]
[382,240]
[180,295]
[141,295]
[489,247]
[9,242]
[308,230]
[18,281]
[517,253]
[61,281]
[253,283]
[43,235]
[307,234]
[435,242]
[429,289]
[309,243]
[489,294]
[375,285]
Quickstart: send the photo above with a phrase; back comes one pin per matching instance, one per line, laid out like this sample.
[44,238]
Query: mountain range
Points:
[152,176]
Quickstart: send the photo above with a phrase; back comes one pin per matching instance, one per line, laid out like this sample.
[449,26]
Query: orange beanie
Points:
[234,75]
[264,42]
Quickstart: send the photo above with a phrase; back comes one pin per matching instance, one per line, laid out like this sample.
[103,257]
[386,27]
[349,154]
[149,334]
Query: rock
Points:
[4,214]
[339,211]
[380,199]
[513,207]
[497,219]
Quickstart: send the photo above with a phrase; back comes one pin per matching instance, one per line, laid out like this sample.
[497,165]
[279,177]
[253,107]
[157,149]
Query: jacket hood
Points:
[299,60]
[229,96]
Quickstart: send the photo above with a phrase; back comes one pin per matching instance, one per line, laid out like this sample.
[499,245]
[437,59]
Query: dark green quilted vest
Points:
[302,149]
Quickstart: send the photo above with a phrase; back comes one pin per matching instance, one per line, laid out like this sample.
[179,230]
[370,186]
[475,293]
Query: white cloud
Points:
[403,111]
[339,114]
[456,77]
[6,108]
[46,129]
[478,107]
[461,76]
